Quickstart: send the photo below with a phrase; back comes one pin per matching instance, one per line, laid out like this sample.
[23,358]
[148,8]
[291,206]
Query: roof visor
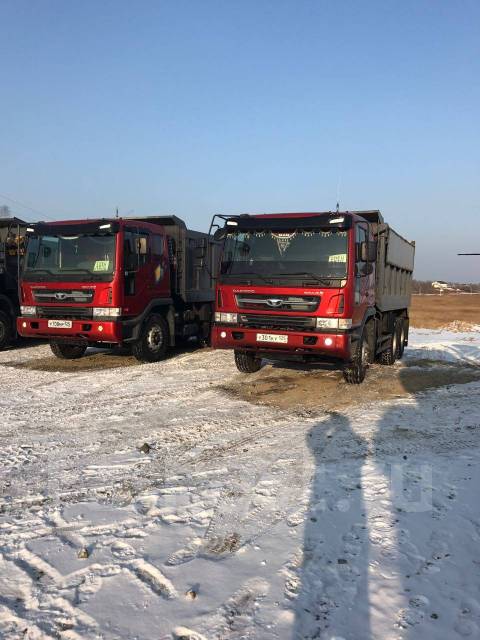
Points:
[322,221]
[72,229]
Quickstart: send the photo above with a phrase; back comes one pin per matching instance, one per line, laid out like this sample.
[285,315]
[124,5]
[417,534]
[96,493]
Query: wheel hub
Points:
[155,338]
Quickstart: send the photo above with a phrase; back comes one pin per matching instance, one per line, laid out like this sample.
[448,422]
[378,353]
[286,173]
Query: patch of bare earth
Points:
[88,362]
[289,387]
[92,360]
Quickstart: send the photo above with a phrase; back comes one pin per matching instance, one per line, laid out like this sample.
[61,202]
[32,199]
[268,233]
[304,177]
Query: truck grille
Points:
[285,323]
[61,313]
[280,302]
[63,295]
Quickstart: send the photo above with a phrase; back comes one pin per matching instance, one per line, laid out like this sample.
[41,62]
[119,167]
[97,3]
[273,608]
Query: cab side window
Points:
[136,249]
[361,236]
[157,245]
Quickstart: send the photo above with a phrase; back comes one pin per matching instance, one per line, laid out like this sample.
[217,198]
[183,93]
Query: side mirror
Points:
[363,252]
[367,252]
[219,234]
[363,269]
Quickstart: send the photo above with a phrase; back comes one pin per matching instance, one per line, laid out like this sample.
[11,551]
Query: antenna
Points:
[338,194]
[116,212]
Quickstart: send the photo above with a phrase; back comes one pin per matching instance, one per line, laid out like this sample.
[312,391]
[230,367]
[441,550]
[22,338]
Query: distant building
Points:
[5,212]
[442,286]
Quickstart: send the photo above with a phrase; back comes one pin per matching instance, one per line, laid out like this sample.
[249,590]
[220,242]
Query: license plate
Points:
[59,324]
[271,337]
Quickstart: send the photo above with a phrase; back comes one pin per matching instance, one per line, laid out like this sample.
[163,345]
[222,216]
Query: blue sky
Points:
[196,107]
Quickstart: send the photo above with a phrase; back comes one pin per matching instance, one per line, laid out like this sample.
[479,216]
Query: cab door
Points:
[362,293]
[137,267]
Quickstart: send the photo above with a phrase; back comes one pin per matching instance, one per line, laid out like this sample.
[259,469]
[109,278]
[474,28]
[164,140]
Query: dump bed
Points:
[12,249]
[395,258]
[394,267]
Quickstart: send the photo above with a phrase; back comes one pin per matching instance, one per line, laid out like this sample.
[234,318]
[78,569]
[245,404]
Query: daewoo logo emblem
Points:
[274,302]
[61,296]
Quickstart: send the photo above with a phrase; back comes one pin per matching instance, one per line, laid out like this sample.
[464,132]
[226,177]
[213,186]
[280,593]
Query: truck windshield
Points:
[76,258]
[316,253]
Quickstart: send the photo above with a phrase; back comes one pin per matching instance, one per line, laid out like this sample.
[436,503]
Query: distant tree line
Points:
[426,286]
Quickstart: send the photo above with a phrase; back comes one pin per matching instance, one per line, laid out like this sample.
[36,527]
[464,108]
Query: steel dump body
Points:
[394,265]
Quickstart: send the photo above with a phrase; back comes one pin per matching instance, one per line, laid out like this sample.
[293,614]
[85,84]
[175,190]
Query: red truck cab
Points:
[309,286]
[116,281]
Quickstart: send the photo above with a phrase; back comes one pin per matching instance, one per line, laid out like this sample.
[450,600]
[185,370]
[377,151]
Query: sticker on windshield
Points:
[101,265]
[338,257]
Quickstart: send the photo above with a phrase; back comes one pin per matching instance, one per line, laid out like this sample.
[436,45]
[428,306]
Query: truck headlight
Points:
[334,323]
[228,318]
[107,312]
[28,311]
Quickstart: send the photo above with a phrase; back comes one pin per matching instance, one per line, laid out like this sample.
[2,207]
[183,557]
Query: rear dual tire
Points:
[395,344]
[401,339]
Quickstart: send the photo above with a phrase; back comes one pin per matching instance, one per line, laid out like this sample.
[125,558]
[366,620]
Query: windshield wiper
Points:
[77,271]
[34,271]
[324,280]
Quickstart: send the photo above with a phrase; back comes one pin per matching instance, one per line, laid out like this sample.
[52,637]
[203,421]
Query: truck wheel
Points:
[67,351]
[389,356]
[154,340]
[5,330]
[401,336]
[247,362]
[355,371]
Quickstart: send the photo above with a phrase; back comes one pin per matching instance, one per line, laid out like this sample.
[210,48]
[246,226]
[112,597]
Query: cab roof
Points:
[279,221]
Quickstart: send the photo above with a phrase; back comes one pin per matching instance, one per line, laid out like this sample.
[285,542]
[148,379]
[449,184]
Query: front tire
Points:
[154,340]
[247,362]
[356,370]
[67,351]
[6,330]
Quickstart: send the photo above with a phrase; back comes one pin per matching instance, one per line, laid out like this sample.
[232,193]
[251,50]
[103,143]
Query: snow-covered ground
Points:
[237,520]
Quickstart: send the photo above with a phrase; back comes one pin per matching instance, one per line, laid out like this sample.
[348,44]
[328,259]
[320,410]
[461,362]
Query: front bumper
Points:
[322,345]
[90,331]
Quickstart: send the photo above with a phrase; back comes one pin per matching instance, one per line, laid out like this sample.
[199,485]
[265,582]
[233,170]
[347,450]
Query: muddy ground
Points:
[289,386]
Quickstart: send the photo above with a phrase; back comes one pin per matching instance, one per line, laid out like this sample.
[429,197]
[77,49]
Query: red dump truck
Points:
[328,287]
[145,282]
